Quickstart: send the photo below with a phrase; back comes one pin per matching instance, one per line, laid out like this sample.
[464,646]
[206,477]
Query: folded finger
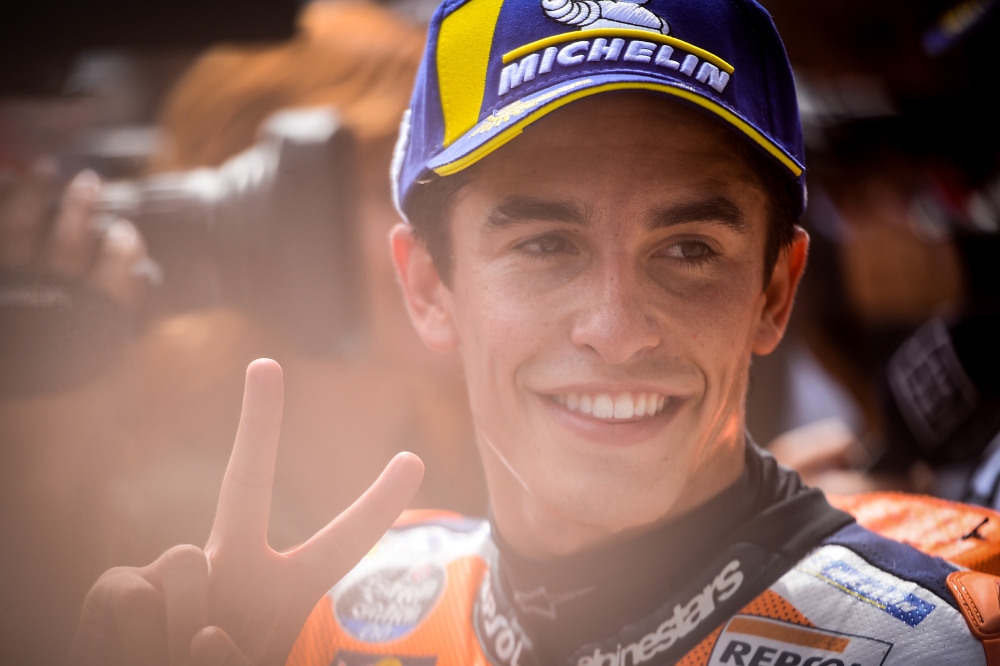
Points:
[73,240]
[182,573]
[213,647]
[245,498]
[337,548]
[122,248]
[123,621]
[142,628]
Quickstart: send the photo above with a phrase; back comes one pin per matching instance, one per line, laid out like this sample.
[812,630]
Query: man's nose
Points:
[616,319]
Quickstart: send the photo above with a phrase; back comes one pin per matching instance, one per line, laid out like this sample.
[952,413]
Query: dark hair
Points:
[782,194]
[428,205]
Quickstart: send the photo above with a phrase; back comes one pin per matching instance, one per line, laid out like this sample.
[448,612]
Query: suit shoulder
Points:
[964,534]
[864,586]
[895,558]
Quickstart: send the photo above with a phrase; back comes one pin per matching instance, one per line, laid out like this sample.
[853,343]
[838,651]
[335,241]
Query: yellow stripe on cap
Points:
[463,54]
[626,33]
[727,115]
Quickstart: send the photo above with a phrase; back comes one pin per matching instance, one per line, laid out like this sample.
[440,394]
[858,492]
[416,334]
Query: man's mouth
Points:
[613,406]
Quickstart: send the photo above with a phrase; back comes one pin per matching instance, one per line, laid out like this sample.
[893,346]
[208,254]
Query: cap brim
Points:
[504,124]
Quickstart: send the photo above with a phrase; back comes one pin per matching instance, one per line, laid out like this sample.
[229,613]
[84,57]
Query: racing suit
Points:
[765,574]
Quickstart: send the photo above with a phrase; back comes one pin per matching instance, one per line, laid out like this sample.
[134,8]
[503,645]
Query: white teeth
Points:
[640,405]
[608,406]
[604,406]
[624,409]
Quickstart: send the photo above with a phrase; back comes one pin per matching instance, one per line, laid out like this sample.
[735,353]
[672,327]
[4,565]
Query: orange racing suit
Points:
[766,574]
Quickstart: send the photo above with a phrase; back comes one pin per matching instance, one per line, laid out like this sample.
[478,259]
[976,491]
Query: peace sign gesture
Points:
[237,602]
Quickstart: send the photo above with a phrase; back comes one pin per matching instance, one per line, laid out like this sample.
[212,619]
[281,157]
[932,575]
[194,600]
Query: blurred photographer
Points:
[72,281]
[118,467]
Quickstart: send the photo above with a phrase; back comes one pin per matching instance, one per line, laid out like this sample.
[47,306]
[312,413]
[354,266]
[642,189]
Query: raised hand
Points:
[237,602]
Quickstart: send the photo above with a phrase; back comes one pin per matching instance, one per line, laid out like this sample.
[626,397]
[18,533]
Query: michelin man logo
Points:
[608,31]
[591,15]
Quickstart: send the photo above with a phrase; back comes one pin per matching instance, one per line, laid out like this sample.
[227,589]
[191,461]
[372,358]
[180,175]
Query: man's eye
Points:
[548,244]
[688,251]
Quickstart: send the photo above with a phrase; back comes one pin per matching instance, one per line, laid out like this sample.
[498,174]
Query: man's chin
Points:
[599,511]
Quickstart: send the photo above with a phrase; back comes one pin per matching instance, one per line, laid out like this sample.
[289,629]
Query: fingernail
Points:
[85,183]
[150,270]
[121,235]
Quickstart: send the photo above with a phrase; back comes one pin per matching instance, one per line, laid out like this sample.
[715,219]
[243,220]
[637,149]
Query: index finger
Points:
[245,498]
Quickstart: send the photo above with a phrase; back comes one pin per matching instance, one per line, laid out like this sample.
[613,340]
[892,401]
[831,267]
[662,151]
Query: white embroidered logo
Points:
[683,621]
[591,15]
[603,28]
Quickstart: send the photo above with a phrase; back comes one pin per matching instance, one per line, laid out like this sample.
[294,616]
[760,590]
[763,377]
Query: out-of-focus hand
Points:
[827,455]
[106,255]
[237,602]
[819,447]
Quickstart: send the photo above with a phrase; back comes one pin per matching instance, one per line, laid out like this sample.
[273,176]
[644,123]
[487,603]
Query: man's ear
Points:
[780,293]
[427,298]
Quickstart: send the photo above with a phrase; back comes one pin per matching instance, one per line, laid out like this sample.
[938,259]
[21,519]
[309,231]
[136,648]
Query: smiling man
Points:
[604,278]
[601,200]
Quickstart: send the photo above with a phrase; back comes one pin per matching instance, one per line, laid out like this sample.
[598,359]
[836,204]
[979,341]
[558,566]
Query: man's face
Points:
[606,296]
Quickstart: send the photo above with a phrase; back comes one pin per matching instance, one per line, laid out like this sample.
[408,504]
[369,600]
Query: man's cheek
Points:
[513,314]
[713,315]
[499,338]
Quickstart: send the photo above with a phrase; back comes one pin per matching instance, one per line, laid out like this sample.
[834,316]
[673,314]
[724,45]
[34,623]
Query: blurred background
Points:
[185,187]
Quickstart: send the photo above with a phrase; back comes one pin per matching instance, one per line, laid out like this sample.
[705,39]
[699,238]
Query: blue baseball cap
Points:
[492,67]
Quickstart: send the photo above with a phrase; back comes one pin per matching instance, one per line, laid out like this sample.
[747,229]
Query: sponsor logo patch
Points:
[344,658]
[609,32]
[500,634]
[748,640]
[591,14]
[904,606]
[389,603]
[684,620]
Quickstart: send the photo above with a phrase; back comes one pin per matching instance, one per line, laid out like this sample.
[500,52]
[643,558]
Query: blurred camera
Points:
[273,231]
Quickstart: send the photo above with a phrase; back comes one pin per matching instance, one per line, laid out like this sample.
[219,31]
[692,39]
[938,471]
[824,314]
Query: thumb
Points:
[213,647]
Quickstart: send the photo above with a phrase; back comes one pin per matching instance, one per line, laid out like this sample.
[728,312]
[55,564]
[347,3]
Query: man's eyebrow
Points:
[718,210]
[518,210]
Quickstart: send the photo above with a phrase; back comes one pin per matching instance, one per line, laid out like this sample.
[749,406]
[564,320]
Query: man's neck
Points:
[535,531]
